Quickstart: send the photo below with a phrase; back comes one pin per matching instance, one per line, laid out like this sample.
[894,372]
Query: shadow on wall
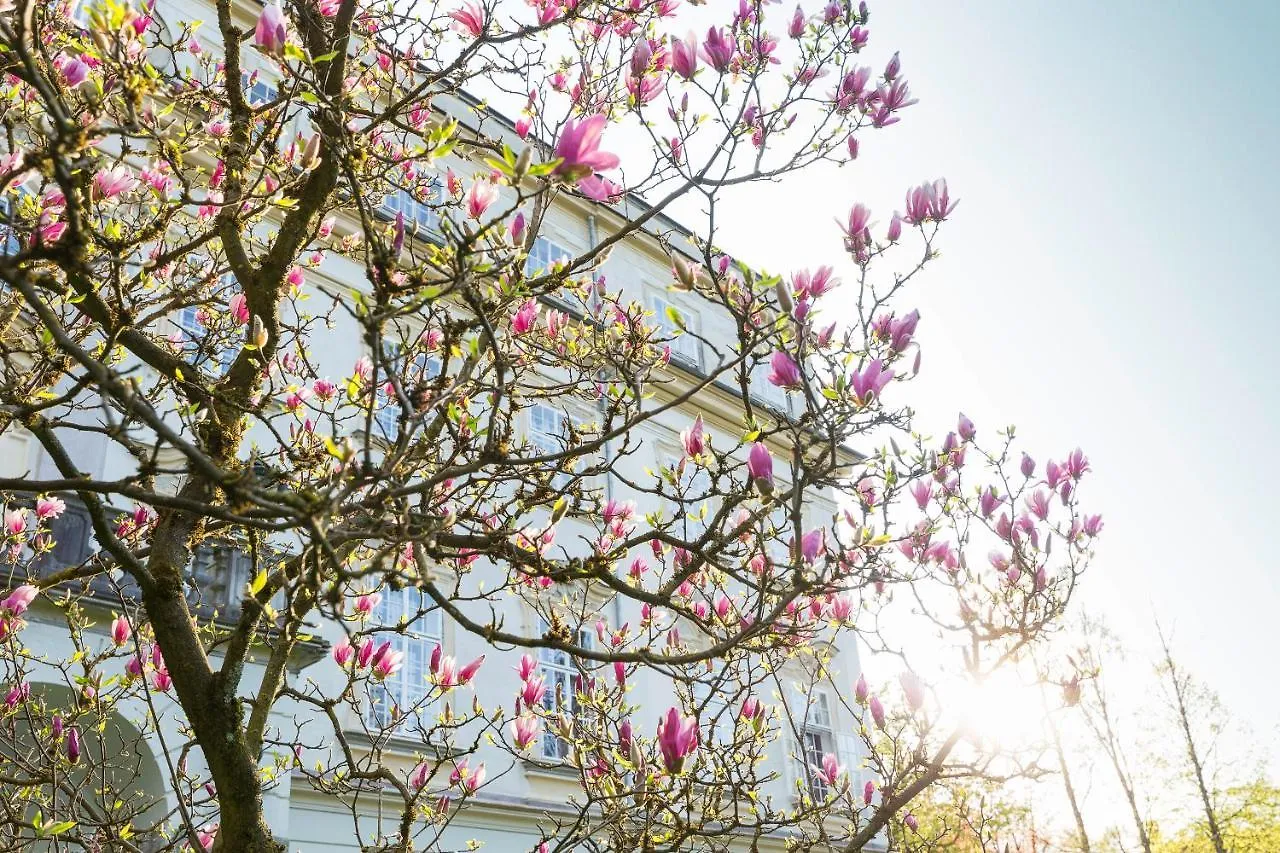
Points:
[116,782]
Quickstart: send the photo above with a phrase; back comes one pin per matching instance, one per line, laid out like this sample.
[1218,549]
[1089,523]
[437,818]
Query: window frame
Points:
[670,453]
[559,667]
[685,348]
[408,686]
[9,242]
[817,739]
[194,333]
[386,413]
[423,221]
[546,263]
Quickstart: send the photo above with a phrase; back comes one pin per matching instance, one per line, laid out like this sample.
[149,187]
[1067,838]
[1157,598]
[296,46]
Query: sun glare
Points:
[1004,711]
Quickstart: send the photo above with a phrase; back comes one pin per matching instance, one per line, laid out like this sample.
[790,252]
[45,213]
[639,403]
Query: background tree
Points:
[143,178]
[1104,722]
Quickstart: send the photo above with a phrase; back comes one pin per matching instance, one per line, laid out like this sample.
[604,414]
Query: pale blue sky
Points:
[1108,280]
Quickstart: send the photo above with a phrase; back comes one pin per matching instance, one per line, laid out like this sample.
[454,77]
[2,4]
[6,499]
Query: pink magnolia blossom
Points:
[718,49]
[467,778]
[830,771]
[922,492]
[760,466]
[73,748]
[868,792]
[271,32]
[238,305]
[913,689]
[364,654]
[528,666]
[343,652]
[121,630]
[795,29]
[15,521]
[1092,525]
[19,600]
[482,195]
[468,672]
[870,381]
[470,19]
[533,690]
[388,663]
[813,544]
[857,234]
[911,823]
[1077,464]
[694,439]
[50,506]
[525,729]
[115,181]
[578,149]
[677,738]
[367,603]
[783,370]
[877,711]
[73,69]
[526,318]
[599,188]
[684,56]
[516,228]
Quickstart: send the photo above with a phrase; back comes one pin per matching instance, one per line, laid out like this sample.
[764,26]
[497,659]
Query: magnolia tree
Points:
[147,177]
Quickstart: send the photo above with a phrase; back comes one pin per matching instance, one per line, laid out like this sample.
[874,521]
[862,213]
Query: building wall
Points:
[505,817]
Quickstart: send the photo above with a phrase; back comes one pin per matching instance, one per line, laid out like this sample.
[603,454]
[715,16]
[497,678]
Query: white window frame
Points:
[9,243]
[765,391]
[685,348]
[697,481]
[261,91]
[386,415]
[194,333]
[408,686]
[550,441]
[817,738]
[419,218]
[543,254]
[716,720]
[559,670]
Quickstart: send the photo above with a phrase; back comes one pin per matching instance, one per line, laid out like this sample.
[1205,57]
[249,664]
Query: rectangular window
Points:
[716,719]
[544,254]
[548,433]
[423,367]
[9,244]
[194,335]
[419,217]
[764,390]
[818,738]
[257,91]
[694,486]
[399,695]
[685,348]
[562,679]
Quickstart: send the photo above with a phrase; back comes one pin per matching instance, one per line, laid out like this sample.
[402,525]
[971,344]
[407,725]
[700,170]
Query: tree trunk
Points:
[1193,754]
[1081,834]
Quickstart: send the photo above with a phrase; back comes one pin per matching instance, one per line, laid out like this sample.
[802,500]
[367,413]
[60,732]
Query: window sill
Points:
[547,770]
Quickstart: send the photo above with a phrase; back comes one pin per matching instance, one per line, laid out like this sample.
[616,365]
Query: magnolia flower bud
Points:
[523,162]
[258,332]
[73,745]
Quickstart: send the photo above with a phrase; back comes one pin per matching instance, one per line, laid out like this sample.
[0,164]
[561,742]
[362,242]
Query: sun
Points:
[1003,712]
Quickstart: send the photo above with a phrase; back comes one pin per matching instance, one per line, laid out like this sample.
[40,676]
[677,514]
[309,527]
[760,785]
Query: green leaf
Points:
[673,314]
[259,581]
